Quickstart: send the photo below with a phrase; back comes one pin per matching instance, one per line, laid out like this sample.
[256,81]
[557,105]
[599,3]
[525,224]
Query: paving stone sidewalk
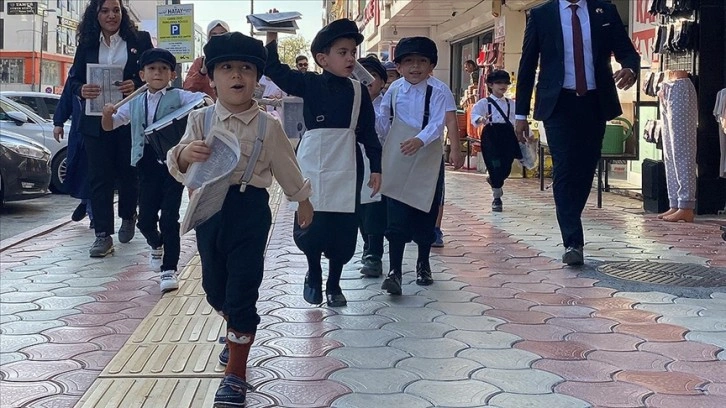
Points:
[505,324]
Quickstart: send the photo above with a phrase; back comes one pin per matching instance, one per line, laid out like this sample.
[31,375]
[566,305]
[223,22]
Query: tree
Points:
[291,47]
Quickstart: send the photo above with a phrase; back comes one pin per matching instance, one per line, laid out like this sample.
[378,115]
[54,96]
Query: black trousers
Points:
[332,234]
[231,247]
[499,147]
[406,224]
[159,192]
[109,167]
[574,135]
[372,220]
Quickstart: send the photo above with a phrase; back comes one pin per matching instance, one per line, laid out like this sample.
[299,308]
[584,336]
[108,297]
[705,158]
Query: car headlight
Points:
[27,151]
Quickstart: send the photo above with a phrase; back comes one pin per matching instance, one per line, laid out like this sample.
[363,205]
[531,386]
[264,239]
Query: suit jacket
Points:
[135,45]
[543,42]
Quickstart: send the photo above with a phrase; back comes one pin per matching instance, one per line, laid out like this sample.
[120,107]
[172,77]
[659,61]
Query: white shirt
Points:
[481,110]
[450,102]
[410,109]
[377,110]
[123,115]
[113,53]
[566,18]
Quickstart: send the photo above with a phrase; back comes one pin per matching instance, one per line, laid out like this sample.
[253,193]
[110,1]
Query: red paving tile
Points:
[89,320]
[111,341]
[103,307]
[610,394]
[517,316]
[683,350]
[654,331]
[303,394]
[585,324]
[664,382]
[485,293]
[578,370]
[556,350]
[714,371]
[95,360]
[587,292]
[303,368]
[121,295]
[76,334]
[538,332]
[546,298]
[57,351]
[533,287]
[632,316]
[76,382]
[605,303]
[29,370]
[16,394]
[565,311]
[632,360]
[681,401]
[716,388]
[292,347]
[507,304]
[125,326]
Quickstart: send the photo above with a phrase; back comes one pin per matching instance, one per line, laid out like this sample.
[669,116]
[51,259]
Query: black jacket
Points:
[543,43]
[135,45]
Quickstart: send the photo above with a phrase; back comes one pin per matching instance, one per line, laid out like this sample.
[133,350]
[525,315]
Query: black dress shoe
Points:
[336,299]
[313,295]
[392,284]
[79,213]
[423,274]
[573,256]
[372,267]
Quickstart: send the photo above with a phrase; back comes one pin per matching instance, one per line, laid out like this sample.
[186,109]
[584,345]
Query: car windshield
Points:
[9,106]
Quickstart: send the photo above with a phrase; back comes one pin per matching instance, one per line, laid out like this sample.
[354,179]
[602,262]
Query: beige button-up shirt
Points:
[277,157]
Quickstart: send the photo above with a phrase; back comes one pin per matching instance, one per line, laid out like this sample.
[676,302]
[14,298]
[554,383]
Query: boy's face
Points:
[341,59]
[499,88]
[235,83]
[157,75]
[415,68]
[375,87]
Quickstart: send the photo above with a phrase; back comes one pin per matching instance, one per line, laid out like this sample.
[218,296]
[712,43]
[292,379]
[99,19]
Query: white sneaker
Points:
[169,281]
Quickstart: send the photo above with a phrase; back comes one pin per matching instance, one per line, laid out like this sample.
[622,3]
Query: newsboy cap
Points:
[157,55]
[373,64]
[498,75]
[333,31]
[416,45]
[235,46]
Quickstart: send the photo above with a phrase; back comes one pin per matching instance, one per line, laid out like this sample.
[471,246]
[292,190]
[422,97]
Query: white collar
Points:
[407,86]
[565,5]
[502,99]
[115,37]
[153,95]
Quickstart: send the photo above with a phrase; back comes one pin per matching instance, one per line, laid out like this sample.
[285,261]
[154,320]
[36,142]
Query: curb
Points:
[35,232]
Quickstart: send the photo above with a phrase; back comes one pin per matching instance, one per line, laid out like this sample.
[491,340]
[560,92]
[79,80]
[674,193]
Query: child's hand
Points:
[484,120]
[411,146]
[304,214]
[196,151]
[109,109]
[375,183]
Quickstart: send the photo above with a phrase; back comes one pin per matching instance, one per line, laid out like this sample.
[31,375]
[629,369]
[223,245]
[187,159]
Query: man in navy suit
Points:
[576,94]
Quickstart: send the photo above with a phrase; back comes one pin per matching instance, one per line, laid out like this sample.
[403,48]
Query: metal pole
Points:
[252,11]
[34,53]
[177,83]
[40,68]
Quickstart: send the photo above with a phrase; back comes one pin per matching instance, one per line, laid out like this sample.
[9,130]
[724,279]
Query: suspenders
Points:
[499,109]
[427,103]
[256,150]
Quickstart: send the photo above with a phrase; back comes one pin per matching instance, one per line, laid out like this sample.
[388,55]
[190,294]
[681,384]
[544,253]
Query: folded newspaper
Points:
[278,22]
[209,180]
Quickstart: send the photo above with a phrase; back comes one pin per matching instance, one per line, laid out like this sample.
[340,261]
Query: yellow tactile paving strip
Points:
[171,358]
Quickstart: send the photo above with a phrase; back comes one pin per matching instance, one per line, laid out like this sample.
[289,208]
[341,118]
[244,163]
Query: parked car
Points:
[42,103]
[19,119]
[24,168]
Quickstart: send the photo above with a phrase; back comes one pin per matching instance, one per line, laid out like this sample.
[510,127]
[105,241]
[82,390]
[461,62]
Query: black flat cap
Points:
[416,45]
[155,55]
[333,31]
[498,75]
[235,46]
[373,64]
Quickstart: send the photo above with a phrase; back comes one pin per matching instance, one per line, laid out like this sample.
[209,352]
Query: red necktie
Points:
[579,53]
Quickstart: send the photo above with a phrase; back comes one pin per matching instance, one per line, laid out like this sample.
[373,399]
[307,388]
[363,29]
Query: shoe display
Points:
[232,392]
[497,205]
[573,256]
[336,299]
[79,213]
[224,355]
[392,284]
[127,230]
[372,266]
[169,281]
[423,274]
[312,295]
[439,242]
[102,246]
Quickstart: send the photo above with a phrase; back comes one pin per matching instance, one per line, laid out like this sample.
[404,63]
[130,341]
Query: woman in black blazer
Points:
[106,35]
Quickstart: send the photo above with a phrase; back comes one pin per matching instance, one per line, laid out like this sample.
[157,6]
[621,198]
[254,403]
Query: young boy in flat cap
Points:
[338,113]
[412,120]
[158,191]
[232,243]
[498,141]
[372,211]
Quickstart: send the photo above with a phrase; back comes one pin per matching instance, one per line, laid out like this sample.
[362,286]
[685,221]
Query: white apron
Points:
[365,191]
[409,179]
[327,157]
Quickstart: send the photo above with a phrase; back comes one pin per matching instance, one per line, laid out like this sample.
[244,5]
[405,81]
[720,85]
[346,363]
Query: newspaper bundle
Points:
[209,180]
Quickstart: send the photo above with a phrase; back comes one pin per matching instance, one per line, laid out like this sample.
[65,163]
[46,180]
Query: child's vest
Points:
[169,102]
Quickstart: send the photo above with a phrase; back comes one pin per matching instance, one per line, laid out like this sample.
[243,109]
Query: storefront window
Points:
[467,49]
[51,73]
[11,71]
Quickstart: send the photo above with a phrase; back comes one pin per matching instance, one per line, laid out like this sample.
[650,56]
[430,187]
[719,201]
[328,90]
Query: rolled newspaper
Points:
[133,94]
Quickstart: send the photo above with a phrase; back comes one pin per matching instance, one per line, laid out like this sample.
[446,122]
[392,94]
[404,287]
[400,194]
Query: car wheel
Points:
[59,167]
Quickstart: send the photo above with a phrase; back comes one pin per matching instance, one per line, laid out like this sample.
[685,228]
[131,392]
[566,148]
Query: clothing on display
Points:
[719,111]
[679,111]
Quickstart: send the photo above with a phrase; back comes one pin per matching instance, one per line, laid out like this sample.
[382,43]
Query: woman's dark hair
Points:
[471,63]
[89,30]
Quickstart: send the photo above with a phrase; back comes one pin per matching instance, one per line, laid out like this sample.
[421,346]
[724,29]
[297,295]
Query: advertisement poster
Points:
[175,30]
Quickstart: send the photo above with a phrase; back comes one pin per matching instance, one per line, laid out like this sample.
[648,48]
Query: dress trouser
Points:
[499,147]
[109,167]
[406,224]
[159,192]
[232,247]
[679,113]
[575,131]
[372,224]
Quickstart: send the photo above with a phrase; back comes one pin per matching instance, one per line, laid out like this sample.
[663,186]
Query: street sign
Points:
[175,30]
[22,8]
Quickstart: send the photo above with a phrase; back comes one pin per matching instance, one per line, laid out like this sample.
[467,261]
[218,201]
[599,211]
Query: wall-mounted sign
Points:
[68,23]
[22,8]
[175,30]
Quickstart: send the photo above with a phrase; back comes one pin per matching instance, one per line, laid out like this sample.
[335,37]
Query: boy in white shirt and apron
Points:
[412,120]
[338,113]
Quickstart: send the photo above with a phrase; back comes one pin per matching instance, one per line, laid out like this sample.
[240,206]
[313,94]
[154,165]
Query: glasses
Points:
[302,64]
